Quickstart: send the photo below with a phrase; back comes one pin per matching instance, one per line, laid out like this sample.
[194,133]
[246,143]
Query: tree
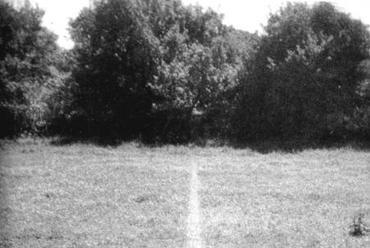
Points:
[26,50]
[304,78]
[115,55]
[145,68]
[197,75]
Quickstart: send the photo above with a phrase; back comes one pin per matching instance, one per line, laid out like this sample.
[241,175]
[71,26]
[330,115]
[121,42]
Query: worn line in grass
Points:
[194,230]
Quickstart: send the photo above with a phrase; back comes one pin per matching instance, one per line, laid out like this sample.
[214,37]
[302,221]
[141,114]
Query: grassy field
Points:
[83,195]
[86,196]
[307,199]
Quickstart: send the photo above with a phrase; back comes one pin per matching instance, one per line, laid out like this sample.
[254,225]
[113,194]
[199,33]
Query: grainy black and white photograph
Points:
[184,124]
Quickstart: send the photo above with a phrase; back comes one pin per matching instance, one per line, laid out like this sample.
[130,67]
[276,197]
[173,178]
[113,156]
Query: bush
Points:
[303,82]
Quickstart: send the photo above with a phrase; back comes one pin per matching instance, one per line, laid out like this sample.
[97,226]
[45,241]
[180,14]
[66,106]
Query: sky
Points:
[249,15]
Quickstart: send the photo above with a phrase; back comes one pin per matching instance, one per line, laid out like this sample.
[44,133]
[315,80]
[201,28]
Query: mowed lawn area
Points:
[83,195]
[89,196]
[305,199]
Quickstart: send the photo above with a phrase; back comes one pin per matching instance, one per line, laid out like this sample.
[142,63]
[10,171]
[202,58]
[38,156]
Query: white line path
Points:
[193,228]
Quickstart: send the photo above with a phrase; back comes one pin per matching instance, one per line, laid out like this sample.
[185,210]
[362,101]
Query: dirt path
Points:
[194,229]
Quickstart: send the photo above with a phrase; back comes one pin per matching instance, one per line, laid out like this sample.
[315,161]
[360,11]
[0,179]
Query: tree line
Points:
[160,71]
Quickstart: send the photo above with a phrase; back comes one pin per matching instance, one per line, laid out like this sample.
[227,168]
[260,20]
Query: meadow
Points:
[130,195]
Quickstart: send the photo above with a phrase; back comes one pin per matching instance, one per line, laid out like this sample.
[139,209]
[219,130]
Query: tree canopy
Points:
[161,71]
[155,62]
[305,75]
[26,53]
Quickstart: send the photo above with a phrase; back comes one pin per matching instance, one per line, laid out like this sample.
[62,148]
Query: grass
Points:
[81,195]
[87,196]
[306,199]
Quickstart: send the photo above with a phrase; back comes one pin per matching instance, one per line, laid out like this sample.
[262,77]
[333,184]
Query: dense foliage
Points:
[26,69]
[305,78]
[154,69]
[165,72]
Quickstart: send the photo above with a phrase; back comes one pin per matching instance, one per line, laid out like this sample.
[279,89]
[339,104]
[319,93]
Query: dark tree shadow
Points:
[99,141]
[292,146]
[262,146]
